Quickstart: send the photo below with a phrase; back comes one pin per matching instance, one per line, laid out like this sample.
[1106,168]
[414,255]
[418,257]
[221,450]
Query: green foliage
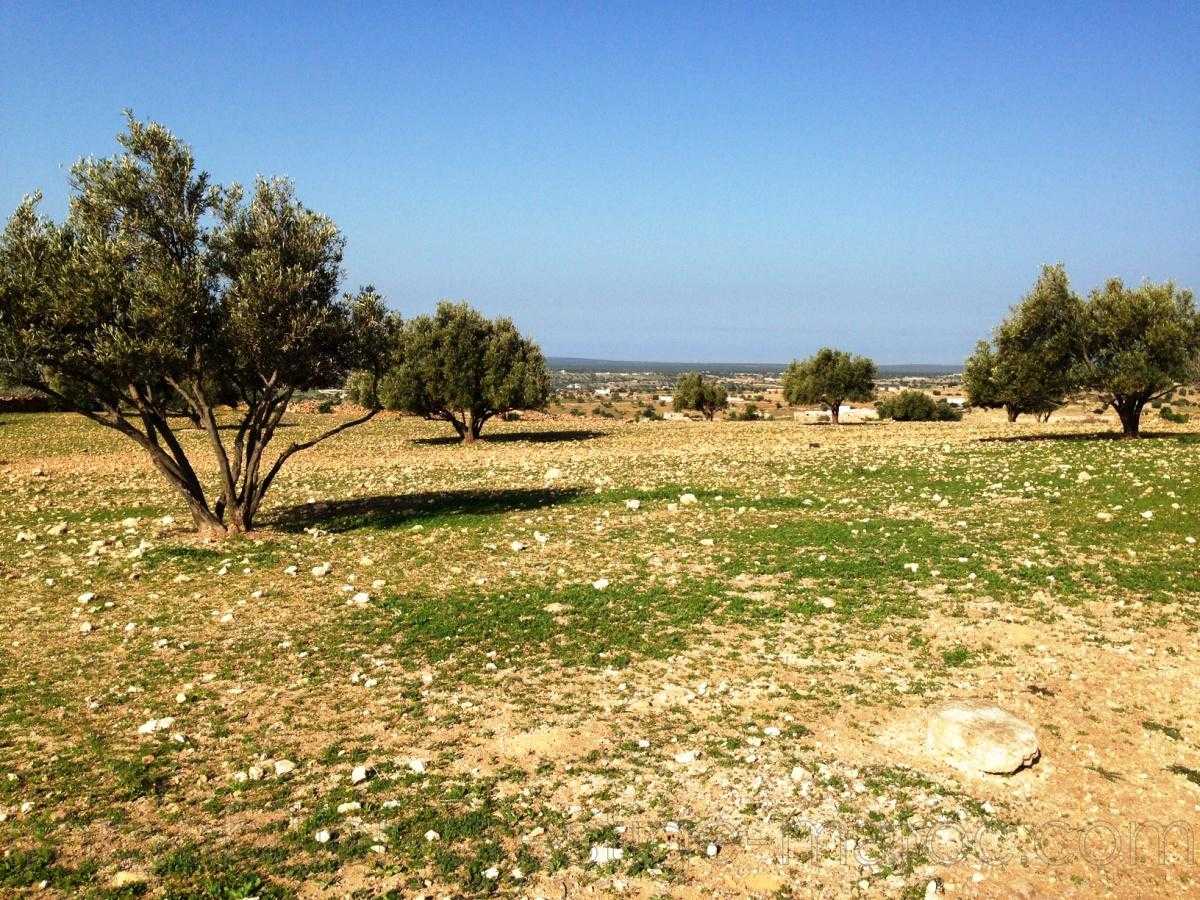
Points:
[1137,345]
[1027,368]
[1171,415]
[693,391]
[748,413]
[829,377]
[460,367]
[917,406]
[162,292]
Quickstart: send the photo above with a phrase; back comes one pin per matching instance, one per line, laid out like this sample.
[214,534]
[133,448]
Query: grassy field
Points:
[440,670]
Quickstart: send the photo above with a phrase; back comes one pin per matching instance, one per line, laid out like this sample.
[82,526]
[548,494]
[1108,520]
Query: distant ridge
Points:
[584,364]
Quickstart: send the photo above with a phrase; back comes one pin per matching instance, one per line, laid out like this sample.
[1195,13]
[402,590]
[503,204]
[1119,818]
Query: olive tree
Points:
[1138,344]
[692,391]
[164,296]
[1028,366]
[459,367]
[829,377]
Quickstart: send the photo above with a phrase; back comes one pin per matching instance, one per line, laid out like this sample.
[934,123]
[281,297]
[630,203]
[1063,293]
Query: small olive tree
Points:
[164,294]
[1028,366]
[459,367]
[1137,345]
[829,377]
[693,391]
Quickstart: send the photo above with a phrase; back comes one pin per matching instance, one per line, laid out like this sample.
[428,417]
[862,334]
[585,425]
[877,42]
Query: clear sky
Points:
[689,181]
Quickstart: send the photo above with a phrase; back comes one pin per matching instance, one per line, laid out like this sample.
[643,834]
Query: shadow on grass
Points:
[515,437]
[1187,437]
[397,510]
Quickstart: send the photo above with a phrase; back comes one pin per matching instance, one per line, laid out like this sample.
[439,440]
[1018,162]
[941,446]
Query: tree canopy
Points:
[1028,367]
[163,293]
[1136,345]
[829,377]
[459,367]
[694,391]
[1129,345]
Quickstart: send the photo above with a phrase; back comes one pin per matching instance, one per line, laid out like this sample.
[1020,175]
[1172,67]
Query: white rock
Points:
[360,774]
[284,767]
[85,627]
[712,850]
[86,597]
[517,546]
[686,757]
[491,872]
[982,738]
[432,835]
[633,504]
[602,855]
[687,499]
[600,584]
[352,806]
[553,474]
[323,836]
[417,765]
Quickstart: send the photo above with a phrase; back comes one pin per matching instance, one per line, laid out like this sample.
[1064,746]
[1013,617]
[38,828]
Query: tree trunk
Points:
[834,409]
[1129,411]
[1011,412]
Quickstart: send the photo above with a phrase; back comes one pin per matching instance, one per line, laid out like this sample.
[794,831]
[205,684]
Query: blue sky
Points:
[691,181]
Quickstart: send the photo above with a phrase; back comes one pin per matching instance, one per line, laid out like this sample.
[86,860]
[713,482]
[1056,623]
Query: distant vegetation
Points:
[917,406]
[830,377]
[695,392]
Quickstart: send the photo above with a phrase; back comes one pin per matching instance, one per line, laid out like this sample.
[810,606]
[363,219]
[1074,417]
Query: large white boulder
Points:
[980,737]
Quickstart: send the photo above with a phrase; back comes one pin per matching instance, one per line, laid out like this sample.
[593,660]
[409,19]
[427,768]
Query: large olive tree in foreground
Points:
[693,392]
[829,377]
[1136,345]
[163,296]
[1027,367]
[459,367]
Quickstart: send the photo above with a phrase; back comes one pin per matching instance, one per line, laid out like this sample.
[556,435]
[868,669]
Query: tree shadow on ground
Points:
[514,437]
[398,510]
[1186,437]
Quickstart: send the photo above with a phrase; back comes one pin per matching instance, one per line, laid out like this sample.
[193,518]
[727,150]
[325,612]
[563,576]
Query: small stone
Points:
[417,765]
[712,850]
[602,855]
[352,806]
[360,774]
[600,584]
[432,836]
[687,499]
[284,767]
[323,836]
[687,757]
[633,504]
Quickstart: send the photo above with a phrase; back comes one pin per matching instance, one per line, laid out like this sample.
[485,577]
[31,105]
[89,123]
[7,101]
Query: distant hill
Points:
[583,364]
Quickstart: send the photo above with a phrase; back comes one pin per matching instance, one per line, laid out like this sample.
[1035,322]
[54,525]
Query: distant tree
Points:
[916,406]
[459,367]
[693,391]
[830,377]
[1028,367]
[162,293]
[1137,345]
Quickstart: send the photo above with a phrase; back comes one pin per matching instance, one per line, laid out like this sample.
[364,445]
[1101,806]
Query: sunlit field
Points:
[666,659]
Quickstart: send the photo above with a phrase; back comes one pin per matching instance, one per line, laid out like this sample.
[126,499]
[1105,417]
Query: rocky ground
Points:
[595,659]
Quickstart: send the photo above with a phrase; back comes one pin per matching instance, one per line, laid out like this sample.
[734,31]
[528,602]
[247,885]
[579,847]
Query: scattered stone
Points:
[980,737]
[686,757]
[633,504]
[417,765]
[600,584]
[323,836]
[284,767]
[360,774]
[687,499]
[602,855]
